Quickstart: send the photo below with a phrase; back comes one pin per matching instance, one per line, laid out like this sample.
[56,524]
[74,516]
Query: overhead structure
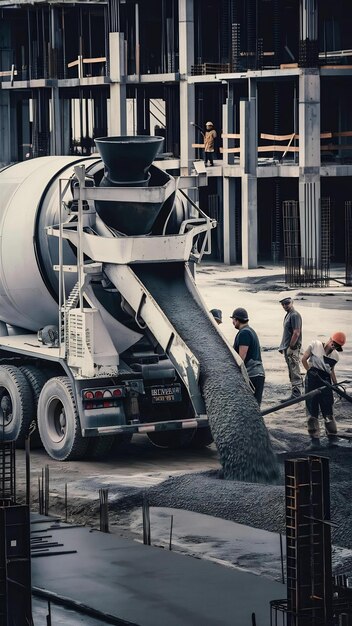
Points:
[272,75]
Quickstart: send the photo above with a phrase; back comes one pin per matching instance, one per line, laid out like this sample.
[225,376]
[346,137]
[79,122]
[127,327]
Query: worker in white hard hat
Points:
[209,143]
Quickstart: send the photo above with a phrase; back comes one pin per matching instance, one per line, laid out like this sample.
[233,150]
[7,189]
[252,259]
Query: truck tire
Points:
[99,447]
[16,404]
[36,379]
[172,439]
[58,421]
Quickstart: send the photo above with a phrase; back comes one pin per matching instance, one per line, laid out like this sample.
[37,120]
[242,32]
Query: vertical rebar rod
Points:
[348,242]
[66,503]
[48,617]
[47,485]
[40,496]
[282,561]
[42,491]
[104,510]
[171,527]
[146,521]
[28,470]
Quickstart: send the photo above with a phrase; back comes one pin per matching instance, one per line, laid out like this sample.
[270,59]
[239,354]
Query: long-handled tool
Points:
[283,405]
[337,388]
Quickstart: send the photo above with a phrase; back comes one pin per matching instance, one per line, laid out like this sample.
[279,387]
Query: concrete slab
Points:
[218,540]
[150,586]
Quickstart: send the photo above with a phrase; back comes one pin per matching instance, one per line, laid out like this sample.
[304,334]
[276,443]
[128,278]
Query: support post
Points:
[248,163]
[118,118]
[187,97]
[56,134]
[309,168]
[229,220]
[229,185]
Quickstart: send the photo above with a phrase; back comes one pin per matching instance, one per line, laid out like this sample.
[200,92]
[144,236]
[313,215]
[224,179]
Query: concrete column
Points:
[5,126]
[118,117]
[248,163]
[229,220]
[308,18]
[309,167]
[66,128]
[228,123]
[187,98]
[56,134]
[229,185]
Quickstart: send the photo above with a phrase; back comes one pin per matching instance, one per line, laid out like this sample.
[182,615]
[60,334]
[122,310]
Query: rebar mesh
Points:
[292,242]
[325,238]
[306,271]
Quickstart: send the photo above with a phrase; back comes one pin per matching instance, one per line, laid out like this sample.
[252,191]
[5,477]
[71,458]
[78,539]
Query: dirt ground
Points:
[142,468]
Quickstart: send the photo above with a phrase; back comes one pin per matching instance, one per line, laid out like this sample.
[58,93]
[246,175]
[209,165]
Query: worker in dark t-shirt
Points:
[290,345]
[248,347]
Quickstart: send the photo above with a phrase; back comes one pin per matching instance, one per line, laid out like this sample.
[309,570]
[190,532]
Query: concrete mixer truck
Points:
[95,288]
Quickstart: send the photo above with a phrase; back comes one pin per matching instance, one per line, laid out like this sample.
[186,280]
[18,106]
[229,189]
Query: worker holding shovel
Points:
[319,360]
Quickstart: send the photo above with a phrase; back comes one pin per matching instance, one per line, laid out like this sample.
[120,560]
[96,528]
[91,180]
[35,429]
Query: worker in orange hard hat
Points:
[319,360]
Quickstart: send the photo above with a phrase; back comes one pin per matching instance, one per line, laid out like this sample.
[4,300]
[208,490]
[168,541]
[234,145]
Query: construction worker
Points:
[217,315]
[290,345]
[319,360]
[248,347]
[209,143]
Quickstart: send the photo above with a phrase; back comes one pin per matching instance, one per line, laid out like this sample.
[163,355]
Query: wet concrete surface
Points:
[59,615]
[150,586]
[223,541]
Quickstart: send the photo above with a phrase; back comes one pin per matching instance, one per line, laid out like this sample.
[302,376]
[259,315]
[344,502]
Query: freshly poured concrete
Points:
[150,586]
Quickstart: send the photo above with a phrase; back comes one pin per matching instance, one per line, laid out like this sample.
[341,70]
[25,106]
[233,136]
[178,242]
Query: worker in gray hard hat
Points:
[217,315]
[290,345]
[248,347]
[209,143]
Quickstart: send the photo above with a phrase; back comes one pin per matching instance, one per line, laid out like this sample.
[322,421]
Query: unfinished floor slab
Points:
[148,586]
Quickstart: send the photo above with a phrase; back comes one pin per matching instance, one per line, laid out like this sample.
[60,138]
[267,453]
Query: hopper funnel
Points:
[127,161]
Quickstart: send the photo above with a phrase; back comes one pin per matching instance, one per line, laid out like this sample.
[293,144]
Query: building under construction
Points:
[272,75]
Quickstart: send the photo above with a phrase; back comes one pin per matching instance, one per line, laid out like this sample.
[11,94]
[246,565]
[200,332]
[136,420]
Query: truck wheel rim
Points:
[56,420]
[6,414]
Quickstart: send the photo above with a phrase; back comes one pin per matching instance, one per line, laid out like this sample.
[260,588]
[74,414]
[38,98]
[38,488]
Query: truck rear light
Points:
[102,398]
